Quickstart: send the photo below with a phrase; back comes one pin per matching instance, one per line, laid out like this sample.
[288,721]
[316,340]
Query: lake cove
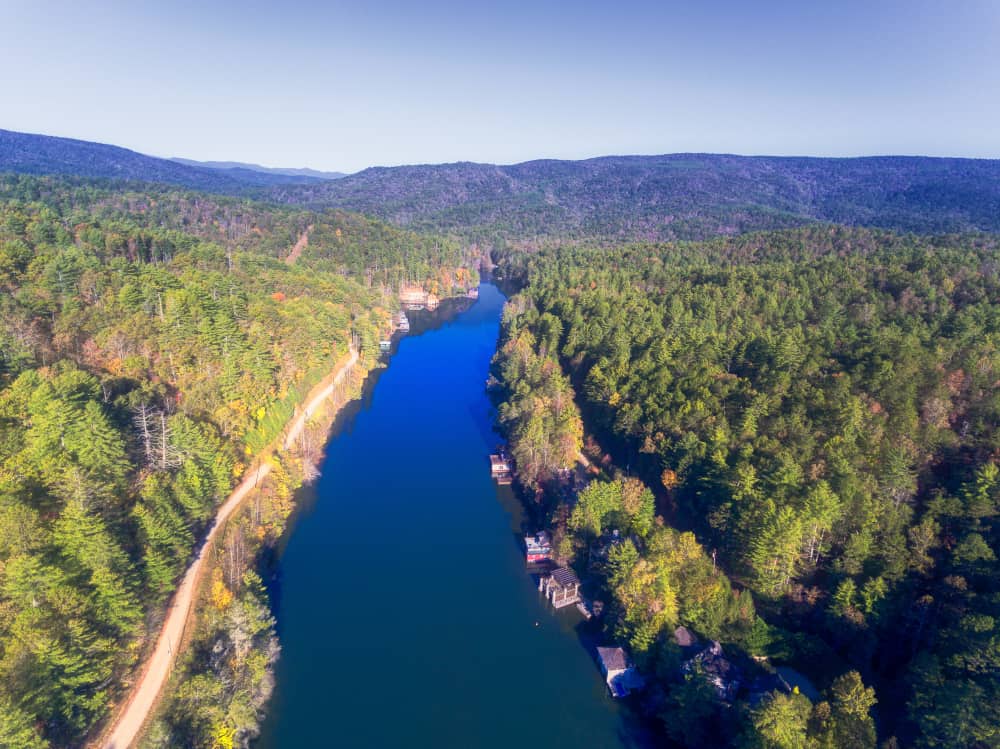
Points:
[405,613]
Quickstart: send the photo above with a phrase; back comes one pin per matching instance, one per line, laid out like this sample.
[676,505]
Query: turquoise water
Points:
[404,610]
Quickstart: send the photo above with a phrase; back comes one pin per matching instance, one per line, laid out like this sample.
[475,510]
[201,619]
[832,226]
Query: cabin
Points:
[500,468]
[538,548]
[721,674]
[561,588]
[403,322]
[620,676]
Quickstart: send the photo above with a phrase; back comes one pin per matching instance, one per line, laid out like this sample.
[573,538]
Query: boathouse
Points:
[538,548]
[620,675]
[500,468]
[384,346]
[561,588]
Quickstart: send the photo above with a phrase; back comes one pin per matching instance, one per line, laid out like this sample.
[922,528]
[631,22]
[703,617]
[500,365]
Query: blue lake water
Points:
[405,613]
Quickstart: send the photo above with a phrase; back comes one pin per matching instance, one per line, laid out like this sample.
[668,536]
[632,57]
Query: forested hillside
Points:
[821,408]
[680,196]
[612,198]
[25,153]
[150,343]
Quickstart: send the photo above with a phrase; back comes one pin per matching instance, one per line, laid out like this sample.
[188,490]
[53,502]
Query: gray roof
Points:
[613,659]
[565,577]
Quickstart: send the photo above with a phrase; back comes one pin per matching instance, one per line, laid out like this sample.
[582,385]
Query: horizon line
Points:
[731,154]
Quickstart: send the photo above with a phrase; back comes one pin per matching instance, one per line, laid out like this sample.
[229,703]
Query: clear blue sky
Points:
[336,85]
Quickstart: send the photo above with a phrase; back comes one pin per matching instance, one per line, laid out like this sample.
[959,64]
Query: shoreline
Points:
[124,730]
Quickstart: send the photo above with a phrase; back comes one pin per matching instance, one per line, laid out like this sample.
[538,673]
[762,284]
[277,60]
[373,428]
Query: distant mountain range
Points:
[679,196]
[231,165]
[44,154]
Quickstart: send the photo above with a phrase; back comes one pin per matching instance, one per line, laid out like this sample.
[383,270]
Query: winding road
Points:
[130,720]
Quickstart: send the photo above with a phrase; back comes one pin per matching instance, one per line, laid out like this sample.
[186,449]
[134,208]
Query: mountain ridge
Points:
[242,165]
[30,153]
[611,198]
[673,196]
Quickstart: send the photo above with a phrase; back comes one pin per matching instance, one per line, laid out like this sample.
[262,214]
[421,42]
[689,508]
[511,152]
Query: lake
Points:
[405,613]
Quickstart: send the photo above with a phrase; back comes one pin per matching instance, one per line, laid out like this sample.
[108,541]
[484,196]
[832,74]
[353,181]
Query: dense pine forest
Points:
[817,411]
[152,341]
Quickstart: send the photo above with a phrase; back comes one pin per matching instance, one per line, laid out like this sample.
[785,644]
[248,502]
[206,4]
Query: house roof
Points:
[685,637]
[542,537]
[613,658]
[564,577]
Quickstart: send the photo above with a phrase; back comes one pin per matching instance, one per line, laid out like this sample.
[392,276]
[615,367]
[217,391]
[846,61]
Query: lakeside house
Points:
[724,677]
[538,548]
[561,588]
[384,346]
[620,676]
[500,468]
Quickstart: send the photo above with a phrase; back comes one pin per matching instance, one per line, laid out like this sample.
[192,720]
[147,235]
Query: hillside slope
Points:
[25,153]
[673,196]
[677,196]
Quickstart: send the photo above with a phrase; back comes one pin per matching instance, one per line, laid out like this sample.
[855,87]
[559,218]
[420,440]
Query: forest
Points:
[804,425]
[151,343]
[792,425]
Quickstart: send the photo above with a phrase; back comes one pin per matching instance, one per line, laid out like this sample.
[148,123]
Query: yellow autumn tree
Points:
[222,596]
[223,737]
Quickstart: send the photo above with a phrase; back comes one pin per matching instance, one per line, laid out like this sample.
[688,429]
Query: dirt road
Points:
[298,247]
[157,669]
